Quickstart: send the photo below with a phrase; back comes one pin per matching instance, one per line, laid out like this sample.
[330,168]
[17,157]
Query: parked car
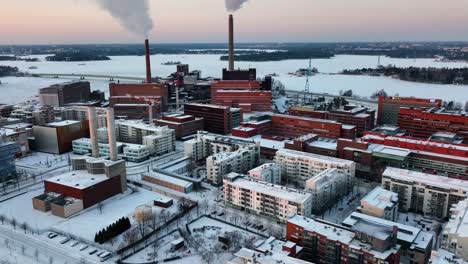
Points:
[74,243]
[83,247]
[52,235]
[92,251]
[65,240]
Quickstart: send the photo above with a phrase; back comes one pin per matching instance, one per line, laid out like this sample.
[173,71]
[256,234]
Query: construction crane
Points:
[151,103]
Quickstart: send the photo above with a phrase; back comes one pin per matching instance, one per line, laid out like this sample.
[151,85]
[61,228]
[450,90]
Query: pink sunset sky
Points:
[82,21]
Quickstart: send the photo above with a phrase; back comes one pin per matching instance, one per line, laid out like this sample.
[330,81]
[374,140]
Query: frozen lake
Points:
[19,89]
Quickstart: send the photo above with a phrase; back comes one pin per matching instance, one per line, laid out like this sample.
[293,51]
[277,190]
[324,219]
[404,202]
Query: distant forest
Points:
[8,71]
[77,56]
[255,51]
[414,74]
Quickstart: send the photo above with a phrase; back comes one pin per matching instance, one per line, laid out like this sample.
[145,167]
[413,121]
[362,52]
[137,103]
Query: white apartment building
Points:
[206,144]
[222,163]
[265,199]
[162,142]
[268,172]
[126,151]
[380,203]
[423,193]
[298,167]
[455,233]
[135,131]
[327,187]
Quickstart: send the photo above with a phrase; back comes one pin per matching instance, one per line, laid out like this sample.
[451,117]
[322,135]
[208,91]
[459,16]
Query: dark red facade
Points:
[424,123]
[388,107]
[243,94]
[91,195]
[217,119]
[362,118]
[182,125]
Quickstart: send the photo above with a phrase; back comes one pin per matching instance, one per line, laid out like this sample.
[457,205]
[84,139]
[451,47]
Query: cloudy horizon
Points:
[205,21]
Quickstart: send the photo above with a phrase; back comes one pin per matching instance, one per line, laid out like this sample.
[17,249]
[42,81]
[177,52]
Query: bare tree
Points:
[23,250]
[154,220]
[36,254]
[131,236]
[13,223]
[204,205]
[51,260]
[100,207]
[217,250]
[24,226]
[2,219]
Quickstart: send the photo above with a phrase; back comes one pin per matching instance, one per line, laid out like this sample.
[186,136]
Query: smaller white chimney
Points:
[111,134]
[93,131]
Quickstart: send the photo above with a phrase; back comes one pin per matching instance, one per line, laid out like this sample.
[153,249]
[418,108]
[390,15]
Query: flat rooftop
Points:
[380,198]
[63,123]
[78,179]
[268,188]
[169,179]
[311,156]
[425,178]
[380,227]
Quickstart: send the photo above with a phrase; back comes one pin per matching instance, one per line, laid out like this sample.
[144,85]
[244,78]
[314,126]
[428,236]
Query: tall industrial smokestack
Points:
[93,131]
[148,62]
[231,43]
[111,134]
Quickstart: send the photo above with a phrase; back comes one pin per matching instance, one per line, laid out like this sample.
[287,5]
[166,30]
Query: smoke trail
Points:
[234,5]
[132,14]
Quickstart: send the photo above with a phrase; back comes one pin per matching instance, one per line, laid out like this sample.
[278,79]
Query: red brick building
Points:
[217,119]
[90,182]
[388,107]
[424,123]
[243,94]
[183,125]
[324,242]
[123,96]
[361,117]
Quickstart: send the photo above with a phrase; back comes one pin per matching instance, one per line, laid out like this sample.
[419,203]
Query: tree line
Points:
[113,230]
[415,74]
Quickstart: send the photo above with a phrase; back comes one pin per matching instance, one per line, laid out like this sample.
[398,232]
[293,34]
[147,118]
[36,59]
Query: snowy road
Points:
[54,252]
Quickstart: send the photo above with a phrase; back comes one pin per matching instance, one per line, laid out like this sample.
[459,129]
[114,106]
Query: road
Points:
[51,251]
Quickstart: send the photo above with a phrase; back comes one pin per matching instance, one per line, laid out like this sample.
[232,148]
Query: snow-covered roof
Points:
[458,223]
[311,156]
[393,151]
[63,123]
[331,231]
[78,179]
[324,143]
[380,198]
[169,179]
[268,188]
[381,228]
[425,178]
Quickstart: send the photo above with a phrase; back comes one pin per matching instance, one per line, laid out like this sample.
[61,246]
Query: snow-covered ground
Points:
[210,65]
[84,224]
[162,250]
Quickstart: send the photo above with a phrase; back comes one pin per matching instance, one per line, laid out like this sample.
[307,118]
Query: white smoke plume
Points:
[234,5]
[132,14]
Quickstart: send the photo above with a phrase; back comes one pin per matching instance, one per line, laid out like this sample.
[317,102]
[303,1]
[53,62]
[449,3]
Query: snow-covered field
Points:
[20,89]
[86,223]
